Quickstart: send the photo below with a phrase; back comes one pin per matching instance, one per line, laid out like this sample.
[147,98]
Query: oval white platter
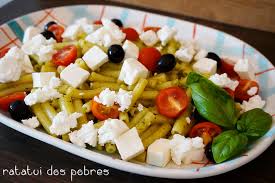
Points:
[223,44]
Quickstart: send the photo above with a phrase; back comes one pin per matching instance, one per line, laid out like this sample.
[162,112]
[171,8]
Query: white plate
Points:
[213,40]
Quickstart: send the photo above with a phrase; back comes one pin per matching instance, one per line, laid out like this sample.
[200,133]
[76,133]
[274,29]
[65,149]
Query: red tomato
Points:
[65,56]
[171,102]
[155,29]
[230,92]
[98,22]
[102,112]
[205,130]
[131,34]
[7,100]
[3,52]
[241,90]
[149,57]
[57,30]
[228,68]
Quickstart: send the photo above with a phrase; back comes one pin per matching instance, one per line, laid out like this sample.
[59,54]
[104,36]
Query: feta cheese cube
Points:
[106,97]
[31,122]
[74,75]
[72,31]
[30,32]
[158,153]
[244,69]
[95,58]
[205,66]
[253,103]
[129,144]
[41,79]
[224,81]
[201,54]
[149,38]
[132,70]
[130,49]
[165,34]
[111,129]
[185,54]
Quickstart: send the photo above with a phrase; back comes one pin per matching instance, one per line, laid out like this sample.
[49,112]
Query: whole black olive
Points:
[209,153]
[48,34]
[47,25]
[117,22]
[166,63]
[116,53]
[19,110]
[215,57]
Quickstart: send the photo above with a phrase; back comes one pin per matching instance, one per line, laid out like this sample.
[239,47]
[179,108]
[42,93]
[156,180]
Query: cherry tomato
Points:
[98,22]
[149,57]
[102,112]
[171,102]
[7,100]
[230,92]
[228,68]
[131,34]
[155,29]
[205,130]
[65,56]
[57,30]
[3,52]
[241,90]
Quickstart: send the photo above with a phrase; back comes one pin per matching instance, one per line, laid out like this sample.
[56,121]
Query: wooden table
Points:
[21,150]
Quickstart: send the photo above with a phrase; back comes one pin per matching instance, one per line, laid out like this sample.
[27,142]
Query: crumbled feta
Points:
[95,57]
[124,99]
[30,32]
[31,122]
[54,82]
[132,70]
[188,120]
[185,54]
[205,66]
[87,28]
[158,153]
[41,79]
[186,150]
[149,38]
[72,32]
[224,81]
[252,91]
[165,34]
[131,50]
[244,69]
[74,75]
[254,102]
[63,122]
[86,135]
[106,97]
[111,129]
[140,107]
[129,144]
[201,54]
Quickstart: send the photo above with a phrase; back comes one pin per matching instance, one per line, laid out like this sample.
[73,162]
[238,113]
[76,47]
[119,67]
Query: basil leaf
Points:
[227,145]
[254,123]
[212,102]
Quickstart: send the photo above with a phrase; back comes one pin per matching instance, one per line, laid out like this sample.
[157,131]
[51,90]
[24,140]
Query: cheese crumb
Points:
[31,122]
[252,91]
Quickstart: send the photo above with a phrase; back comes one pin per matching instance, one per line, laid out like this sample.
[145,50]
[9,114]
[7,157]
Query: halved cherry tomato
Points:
[228,68]
[155,29]
[205,130]
[102,112]
[57,30]
[3,52]
[131,34]
[98,22]
[149,57]
[65,56]
[7,100]
[230,92]
[241,90]
[171,102]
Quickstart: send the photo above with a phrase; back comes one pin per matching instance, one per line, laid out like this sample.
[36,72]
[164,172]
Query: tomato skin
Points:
[171,102]
[155,29]
[4,51]
[149,57]
[65,56]
[98,22]
[131,34]
[230,92]
[7,100]
[241,90]
[228,68]
[102,112]
[57,30]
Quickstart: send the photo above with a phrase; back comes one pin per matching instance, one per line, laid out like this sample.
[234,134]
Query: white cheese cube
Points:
[30,32]
[158,153]
[132,70]
[31,122]
[130,49]
[201,54]
[74,75]
[185,54]
[205,66]
[41,79]
[95,58]
[72,31]
[244,69]
[129,144]
[165,34]
[149,38]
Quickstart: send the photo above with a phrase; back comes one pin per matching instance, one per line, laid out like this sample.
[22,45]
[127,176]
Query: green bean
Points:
[149,95]
[100,78]
[65,103]
[138,117]
[83,94]
[49,110]
[77,103]
[138,90]
[153,128]
[142,125]
[16,88]
[181,126]
[111,86]
[168,84]
[23,79]
[124,117]
[87,107]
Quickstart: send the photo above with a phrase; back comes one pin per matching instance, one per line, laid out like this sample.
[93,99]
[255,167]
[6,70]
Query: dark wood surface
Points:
[21,150]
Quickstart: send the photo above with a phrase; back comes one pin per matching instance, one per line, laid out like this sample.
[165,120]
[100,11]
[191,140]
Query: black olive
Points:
[47,25]
[209,153]
[19,110]
[166,63]
[48,34]
[117,22]
[116,53]
[197,117]
[215,57]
